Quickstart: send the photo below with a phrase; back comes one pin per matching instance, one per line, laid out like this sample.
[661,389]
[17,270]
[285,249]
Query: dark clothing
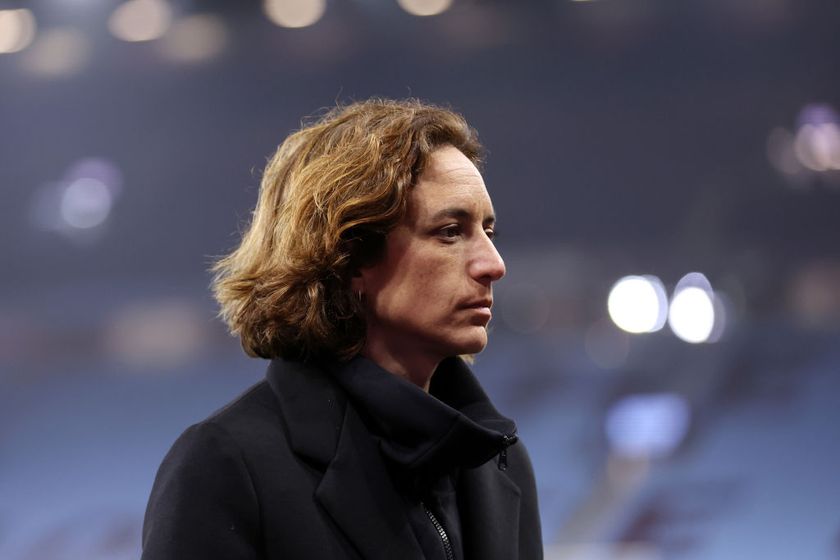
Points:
[347,461]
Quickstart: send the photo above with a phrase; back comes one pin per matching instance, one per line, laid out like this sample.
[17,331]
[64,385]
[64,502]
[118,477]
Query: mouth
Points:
[480,308]
[479,304]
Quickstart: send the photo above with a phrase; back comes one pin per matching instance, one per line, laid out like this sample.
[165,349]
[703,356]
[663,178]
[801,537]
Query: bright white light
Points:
[195,38]
[17,29]
[59,51]
[692,315]
[647,426]
[85,203]
[294,13]
[425,7]
[638,304]
[140,20]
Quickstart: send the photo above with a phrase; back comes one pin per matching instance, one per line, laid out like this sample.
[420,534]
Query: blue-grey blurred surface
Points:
[624,137]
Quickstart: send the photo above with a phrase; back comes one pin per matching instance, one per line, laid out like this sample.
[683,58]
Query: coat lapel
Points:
[357,492]
[489,502]
[356,489]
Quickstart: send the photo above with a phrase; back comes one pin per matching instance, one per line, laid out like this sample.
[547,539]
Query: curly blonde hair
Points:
[328,198]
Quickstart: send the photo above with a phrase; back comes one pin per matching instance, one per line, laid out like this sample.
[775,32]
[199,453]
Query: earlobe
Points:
[357,283]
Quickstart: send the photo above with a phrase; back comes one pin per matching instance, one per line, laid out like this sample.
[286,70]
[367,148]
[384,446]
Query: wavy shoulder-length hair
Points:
[328,198]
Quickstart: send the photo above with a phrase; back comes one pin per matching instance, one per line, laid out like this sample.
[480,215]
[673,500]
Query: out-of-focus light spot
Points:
[85,203]
[80,202]
[525,308]
[816,143]
[57,52]
[722,306]
[638,304]
[140,20]
[692,313]
[817,113]
[817,146]
[195,38]
[101,169]
[294,13]
[647,426]
[607,346]
[425,7]
[156,334]
[17,29]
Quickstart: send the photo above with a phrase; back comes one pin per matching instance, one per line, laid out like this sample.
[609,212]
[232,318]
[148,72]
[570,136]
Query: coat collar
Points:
[427,435]
[326,431]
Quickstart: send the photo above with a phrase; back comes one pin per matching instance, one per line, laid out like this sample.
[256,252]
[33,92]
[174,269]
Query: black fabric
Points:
[290,470]
[426,436]
[426,439]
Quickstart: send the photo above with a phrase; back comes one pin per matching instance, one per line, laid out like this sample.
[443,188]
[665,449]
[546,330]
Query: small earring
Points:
[359,296]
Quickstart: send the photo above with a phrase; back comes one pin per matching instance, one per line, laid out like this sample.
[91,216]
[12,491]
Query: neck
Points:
[414,367]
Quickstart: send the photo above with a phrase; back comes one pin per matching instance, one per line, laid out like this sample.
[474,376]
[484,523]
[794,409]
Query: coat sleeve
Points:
[203,503]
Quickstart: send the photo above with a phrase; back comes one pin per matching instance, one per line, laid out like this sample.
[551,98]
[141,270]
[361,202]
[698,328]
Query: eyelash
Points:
[450,232]
[455,230]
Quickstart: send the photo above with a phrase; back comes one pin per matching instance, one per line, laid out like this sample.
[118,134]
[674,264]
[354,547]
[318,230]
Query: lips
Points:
[479,303]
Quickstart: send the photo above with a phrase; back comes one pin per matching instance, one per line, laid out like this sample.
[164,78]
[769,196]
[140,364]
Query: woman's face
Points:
[431,293]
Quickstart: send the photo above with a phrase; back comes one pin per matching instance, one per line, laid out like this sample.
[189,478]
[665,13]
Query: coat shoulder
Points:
[257,405]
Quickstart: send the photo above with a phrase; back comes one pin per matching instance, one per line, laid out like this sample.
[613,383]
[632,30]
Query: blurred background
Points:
[667,178]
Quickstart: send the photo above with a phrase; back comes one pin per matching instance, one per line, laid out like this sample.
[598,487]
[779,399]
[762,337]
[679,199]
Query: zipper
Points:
[447,546]
[507,441]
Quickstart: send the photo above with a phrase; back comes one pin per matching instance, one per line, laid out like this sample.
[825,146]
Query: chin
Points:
[472,344]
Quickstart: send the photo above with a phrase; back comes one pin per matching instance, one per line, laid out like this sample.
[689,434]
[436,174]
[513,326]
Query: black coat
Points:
[290,471]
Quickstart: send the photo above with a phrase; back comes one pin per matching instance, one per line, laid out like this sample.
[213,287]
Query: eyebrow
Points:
[461,214]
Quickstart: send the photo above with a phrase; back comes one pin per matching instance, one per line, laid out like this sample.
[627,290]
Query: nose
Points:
[487,265]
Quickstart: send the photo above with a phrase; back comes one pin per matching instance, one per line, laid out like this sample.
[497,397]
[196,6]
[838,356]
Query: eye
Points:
[490,233]
[450,232]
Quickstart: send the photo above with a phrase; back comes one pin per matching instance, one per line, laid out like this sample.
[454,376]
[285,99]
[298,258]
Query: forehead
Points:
[450,179]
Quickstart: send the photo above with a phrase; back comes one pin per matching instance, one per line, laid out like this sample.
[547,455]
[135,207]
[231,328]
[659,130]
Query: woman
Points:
[366,272]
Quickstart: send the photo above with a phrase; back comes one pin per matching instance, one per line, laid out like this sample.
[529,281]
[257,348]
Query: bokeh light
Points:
[17,30]
[60,51]
[425,7]
[817,146]
[140,20]
[195,38]
[294,13]
[85,203]
[638,304]
[647,425]
[156,334]
[97,168]
[692,313]
[79,203]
